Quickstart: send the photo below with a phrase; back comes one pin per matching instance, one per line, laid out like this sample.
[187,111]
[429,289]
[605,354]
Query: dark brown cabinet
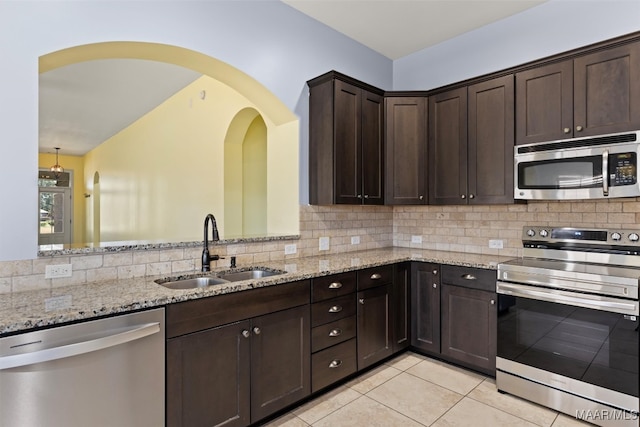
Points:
[406,150]
[471,144]
[454,315]
[593,94]
[345,141]
[425,307]
[401,307]
[469,317]
[334,329]
[374,315]
[235,359]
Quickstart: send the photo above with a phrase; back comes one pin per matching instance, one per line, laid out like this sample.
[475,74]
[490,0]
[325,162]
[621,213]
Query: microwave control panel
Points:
[622,169]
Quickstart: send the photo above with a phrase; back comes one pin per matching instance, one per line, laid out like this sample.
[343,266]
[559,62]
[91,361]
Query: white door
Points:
[55,216]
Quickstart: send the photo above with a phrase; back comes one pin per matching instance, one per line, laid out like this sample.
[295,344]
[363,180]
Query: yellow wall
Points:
[161,176]
[75,164]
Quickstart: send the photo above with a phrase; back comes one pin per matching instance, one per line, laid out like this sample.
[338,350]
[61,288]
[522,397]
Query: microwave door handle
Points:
[605,172]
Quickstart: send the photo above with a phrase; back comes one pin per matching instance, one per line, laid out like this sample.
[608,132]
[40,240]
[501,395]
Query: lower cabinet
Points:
[240,372]
[374,315]
[454,314]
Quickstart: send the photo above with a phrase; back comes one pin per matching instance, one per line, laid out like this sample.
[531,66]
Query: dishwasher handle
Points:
[123,336]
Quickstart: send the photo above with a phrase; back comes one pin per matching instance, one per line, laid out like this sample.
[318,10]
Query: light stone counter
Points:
[26,310]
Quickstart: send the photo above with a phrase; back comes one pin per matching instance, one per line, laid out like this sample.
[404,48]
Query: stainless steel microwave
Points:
[598,167]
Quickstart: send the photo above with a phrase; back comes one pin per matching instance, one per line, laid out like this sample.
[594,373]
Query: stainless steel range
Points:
[568,323]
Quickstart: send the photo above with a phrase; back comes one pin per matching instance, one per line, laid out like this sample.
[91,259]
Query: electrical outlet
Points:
[496,244]
[355,240]
[290,249]
[57,270]
[324,244]
[416,239]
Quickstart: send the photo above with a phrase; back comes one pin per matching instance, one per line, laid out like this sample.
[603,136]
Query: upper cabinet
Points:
[471,144]
[345,142]
[406,150]
[593,94]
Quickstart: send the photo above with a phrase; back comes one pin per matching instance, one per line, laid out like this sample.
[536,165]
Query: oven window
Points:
[584,172]
[593,346]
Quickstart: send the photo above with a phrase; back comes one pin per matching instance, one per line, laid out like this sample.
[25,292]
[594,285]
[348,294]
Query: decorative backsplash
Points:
[447,228]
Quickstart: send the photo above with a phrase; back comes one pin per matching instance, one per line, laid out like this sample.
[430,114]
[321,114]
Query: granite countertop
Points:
[26,310]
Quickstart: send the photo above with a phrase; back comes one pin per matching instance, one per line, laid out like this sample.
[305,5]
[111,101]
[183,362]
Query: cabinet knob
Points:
[256,330]
[462,196]
[366,196]
[566,130]
[335,285]
[468,277]
[361,301]
[335,332]
[246,333]
[335,363]
[435,285]
[335,309]
[579,128]
[359,196]
[493,302]
[471,196]
[421,197]
[376,276]
[435,271]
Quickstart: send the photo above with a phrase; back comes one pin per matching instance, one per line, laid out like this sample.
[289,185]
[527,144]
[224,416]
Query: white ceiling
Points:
[84,104]
[397,28]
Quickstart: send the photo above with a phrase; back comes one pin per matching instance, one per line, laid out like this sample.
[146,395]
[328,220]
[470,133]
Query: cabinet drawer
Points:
[333,364]
[336,285]
[476,278]
[204,313]
[376,276]
[333,309]
[333,333]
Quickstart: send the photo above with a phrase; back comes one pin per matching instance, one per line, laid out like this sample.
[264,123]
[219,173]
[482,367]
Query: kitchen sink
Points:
[191,282]
[258,273]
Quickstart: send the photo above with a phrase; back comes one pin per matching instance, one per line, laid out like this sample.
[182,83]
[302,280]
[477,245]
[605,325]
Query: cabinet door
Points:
[401,313]
[544,103]
[372,161]
[607,91]
[425,306]
[208,377]
[348,149]
[374,325]
[406,150]
[448,148]
[280,360]
[491,141]
[469,324]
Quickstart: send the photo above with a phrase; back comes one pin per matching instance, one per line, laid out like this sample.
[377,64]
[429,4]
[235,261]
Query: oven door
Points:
[581,344]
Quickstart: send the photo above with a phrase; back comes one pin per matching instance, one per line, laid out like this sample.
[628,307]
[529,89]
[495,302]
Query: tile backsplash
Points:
[349,228]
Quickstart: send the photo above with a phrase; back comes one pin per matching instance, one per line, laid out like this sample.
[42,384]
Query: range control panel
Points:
[534,236]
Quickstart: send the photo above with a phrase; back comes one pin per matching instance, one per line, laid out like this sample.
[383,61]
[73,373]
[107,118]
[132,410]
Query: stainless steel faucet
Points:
[206,258]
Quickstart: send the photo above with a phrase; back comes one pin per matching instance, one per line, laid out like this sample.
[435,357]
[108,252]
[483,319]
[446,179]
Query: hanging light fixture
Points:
[57,169]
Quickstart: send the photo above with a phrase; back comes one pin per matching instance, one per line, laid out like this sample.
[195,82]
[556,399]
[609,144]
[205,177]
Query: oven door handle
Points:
[562,297]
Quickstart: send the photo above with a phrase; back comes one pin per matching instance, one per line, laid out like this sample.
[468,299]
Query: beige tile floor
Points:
[413,390]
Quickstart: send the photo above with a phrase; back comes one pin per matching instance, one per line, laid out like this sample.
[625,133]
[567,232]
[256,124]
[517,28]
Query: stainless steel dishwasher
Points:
[106,372]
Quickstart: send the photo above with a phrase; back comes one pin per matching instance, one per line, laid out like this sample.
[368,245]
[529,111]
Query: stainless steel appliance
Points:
[568,323]
[107,372]
[579,168]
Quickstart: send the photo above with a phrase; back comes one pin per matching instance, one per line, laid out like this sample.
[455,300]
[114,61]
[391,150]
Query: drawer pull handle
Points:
[246,333]
[376,276]
[335,363]
[468,277]
[256,330]
[335,332]
[335,309]
[335,285]
[493,302]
